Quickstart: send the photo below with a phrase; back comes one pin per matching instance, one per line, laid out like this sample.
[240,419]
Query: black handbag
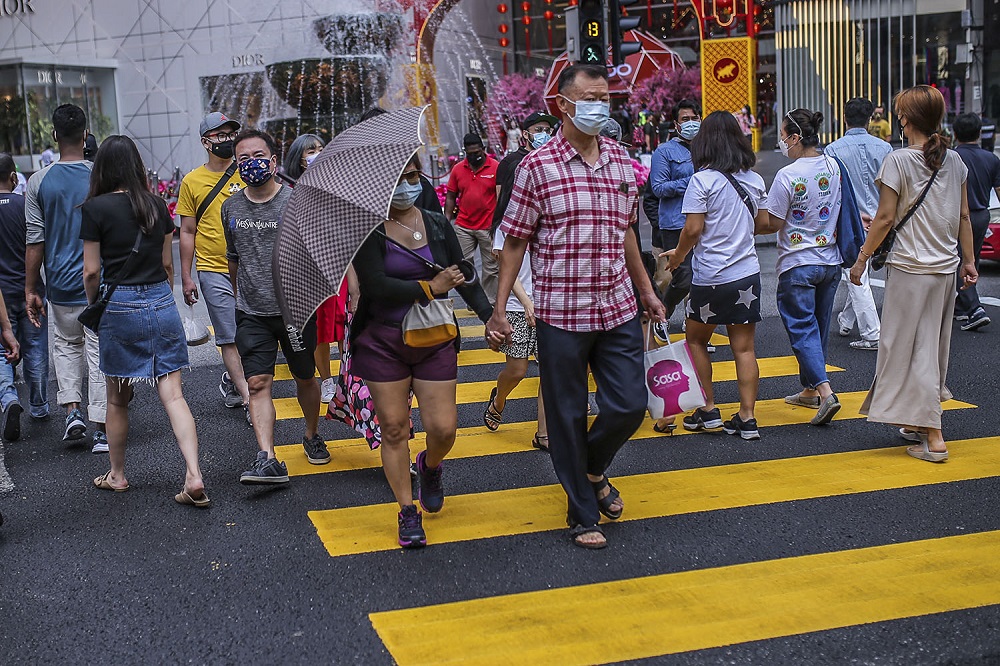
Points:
[91,315]
[881,254]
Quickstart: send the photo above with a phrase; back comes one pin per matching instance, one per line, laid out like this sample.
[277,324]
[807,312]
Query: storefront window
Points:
[13,134]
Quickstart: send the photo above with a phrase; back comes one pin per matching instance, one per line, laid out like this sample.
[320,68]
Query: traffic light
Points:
[618,25]
[593,47]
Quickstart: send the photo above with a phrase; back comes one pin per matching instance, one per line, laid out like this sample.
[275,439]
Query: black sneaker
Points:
[246,414]
[411,528]
[745,429]
[12,422]
[76,427]
[661,331]
[431,492]
[230,395]
[976,321]
[316,451]
[265,471]
[702,420]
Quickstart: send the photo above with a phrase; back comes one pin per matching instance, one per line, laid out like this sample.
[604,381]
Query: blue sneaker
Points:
[100,440]
[76,427]
[411,528]
[265,471]
[431,492]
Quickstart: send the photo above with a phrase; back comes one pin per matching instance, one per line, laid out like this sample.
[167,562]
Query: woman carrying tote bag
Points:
[919,301]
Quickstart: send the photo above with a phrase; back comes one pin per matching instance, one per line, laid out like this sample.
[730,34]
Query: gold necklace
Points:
[417,236]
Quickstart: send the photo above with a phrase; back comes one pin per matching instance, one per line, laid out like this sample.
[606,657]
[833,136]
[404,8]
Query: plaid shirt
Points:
[575,217]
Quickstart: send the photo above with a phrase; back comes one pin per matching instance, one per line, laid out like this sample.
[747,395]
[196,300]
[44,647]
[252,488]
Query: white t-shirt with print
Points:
[725,252]
[523,275]
[806,195]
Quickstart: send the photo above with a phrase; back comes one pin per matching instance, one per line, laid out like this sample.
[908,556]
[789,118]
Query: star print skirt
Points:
[735,302]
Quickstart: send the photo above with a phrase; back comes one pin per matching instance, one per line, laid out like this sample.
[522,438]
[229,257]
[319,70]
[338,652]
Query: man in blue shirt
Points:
[862,154]
[34,342]
[984,175]
[52,211]
[669,174]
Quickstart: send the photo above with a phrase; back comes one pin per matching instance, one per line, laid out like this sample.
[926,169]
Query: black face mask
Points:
[223,149]
[476,160]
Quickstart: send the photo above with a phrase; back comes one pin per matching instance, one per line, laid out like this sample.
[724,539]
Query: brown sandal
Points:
[491,417]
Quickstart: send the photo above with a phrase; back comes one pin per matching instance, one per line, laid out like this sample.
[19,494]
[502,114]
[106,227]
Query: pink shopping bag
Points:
[672,384]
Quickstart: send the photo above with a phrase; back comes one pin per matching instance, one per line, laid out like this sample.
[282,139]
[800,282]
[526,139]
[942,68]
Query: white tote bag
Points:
[672,385]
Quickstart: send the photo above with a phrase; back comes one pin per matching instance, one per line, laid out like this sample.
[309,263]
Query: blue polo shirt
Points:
[984,174]
[669,174]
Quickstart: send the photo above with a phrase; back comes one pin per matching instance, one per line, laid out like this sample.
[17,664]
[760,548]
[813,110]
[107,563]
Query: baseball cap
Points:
[214,121]
[539,117]
[612,130]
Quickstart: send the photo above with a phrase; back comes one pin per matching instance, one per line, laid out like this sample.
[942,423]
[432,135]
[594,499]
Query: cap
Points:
[472,139]
[612,130]
[539,117]
[214,121]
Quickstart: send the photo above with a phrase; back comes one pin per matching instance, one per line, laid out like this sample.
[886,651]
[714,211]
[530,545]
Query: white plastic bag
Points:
[195,331]
[672,385]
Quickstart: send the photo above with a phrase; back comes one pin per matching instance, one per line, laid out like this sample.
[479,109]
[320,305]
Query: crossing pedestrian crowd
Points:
[562,279]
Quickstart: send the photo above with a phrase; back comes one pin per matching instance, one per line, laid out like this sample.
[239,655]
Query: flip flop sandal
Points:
[576,531]
[103,483]
[184,497]
[923,452]
[605,503]
[537,442]
[666,430]
[910,435]
[491,417]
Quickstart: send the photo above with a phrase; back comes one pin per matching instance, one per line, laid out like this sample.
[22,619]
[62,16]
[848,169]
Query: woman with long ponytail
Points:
[925,185]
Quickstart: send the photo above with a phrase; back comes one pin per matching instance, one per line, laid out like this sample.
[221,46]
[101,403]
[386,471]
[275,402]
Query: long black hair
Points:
[118,166]
[721,145]
[293,159]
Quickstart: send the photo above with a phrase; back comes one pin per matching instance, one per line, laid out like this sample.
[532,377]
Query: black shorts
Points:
[736,302]
[258,339]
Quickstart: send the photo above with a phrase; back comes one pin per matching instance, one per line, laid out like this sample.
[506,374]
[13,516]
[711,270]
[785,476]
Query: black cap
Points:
[472,139]
[539,117]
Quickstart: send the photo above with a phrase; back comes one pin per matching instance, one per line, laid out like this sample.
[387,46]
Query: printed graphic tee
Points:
[806,195]
[251,231]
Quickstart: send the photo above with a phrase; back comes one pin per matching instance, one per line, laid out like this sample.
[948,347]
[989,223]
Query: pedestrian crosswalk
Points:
[672,612]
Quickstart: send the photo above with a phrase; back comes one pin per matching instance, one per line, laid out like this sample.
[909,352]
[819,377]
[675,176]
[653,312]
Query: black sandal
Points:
[668,430]
[576,531]
[537,442]
[605,503]
[491,417]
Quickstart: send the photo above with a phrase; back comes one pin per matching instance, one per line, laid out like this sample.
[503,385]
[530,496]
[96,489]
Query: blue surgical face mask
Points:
[311,158]
[591,116]
[689,129]
[405,195]
[256,171]
[539,139]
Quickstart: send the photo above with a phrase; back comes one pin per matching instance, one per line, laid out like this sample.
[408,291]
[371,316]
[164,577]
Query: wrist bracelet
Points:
[862,251]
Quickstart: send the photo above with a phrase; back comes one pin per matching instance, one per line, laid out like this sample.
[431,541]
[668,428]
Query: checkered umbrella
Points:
[336,203]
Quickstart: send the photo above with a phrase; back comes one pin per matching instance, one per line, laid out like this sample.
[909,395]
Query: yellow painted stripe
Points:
[471,357]
[696,610]
[465,313]
[366,529]
[351,454]
[468,393]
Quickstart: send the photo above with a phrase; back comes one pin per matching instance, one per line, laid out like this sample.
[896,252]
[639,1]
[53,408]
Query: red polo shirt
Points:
[477,193]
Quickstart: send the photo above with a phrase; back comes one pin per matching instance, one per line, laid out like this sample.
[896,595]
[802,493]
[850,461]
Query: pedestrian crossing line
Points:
[476,516]
[468,393]
[472,357]
[515,437]
[706,608]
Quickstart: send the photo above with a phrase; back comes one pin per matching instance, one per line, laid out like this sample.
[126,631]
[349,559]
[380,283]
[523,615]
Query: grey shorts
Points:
[523,341]
[220,300]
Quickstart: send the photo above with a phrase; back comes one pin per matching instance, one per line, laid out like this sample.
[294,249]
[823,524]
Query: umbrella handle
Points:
[416,255]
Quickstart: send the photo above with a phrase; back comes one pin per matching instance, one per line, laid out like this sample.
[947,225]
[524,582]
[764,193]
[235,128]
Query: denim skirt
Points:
[141,334]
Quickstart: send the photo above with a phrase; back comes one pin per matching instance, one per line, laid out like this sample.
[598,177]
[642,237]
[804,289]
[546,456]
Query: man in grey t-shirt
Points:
[250,220]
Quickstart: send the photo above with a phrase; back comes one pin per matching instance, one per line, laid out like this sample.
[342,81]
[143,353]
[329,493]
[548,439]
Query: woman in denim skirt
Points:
[142,338]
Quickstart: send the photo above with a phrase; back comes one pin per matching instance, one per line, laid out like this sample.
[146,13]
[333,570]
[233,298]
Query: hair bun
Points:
[816,121]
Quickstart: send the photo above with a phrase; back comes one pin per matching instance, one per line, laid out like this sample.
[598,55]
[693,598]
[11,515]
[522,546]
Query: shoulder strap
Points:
[916,204]
[125,269]
[743,194]
[215,192]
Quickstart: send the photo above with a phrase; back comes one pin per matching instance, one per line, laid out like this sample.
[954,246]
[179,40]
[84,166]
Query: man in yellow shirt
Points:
[202,238]
[879,126]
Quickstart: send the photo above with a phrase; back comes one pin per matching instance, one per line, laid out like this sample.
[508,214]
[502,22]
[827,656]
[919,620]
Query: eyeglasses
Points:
[220,137]
[412,177]
[544,129]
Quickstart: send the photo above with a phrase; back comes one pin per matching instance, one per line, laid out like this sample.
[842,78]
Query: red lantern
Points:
[503,28]
[573,3]
[548,2]
[526,20]
[525,7]
[549,15]
[502,8]
[504,42]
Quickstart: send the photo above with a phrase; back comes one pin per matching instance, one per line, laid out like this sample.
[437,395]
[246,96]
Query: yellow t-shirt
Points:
[209,241]
[880,129]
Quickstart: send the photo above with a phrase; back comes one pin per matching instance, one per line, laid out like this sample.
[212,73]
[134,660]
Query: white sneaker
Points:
[327,389]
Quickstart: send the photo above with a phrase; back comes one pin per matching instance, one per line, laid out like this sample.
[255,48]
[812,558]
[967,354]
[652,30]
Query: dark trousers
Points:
[615,357]
[967,300]
[680,282]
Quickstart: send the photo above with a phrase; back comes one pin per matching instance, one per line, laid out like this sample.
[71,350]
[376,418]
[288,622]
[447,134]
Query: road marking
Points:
[476,516]
[473,357]
[707,608]
[468,393]
[352,454]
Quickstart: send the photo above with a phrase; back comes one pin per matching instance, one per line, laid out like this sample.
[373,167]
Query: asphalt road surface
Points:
[812,546]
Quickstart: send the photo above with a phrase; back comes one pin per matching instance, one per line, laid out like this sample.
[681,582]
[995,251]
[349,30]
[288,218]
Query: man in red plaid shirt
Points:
[574,200]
